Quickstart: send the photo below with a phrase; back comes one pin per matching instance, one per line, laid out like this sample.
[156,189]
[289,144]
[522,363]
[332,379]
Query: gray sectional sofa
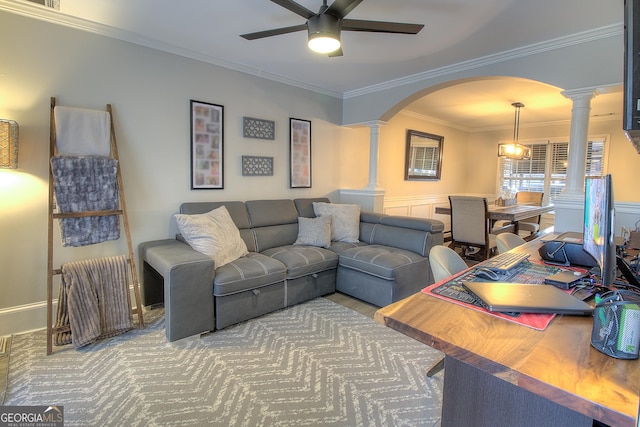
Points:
[388,263]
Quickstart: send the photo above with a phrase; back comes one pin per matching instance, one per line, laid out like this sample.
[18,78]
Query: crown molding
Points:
[42,13]
[36,11]
[615,30]
[458,126]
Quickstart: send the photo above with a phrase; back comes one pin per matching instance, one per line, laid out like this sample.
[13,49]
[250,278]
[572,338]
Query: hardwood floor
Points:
[353,303]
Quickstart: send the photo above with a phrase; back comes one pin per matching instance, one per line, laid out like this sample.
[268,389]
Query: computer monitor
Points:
[599,215]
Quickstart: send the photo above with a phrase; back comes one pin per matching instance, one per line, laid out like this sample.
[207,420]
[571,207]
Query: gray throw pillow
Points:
[345,220]
[314,232]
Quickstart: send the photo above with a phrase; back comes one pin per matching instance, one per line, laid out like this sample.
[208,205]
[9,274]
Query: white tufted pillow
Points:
[345,220]
[213,233]
[314,231]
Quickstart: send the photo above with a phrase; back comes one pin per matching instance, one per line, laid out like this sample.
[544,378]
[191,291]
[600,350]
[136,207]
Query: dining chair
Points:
[534,198]
[444,263]
[508,241]
[470,225]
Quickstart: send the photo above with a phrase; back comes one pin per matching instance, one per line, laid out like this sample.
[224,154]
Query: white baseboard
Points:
[29,317]
[24,318]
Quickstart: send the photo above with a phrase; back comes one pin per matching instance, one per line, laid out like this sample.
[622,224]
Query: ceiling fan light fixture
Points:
[324,44]
[324,33]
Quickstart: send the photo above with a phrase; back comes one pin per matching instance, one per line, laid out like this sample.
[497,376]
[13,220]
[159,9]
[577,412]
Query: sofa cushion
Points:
[213,233]
[303,260]
[249,272]
[339,247]
[264,213]
[378,260]
[345,220]
[314,232]
[305,206]
[273,223]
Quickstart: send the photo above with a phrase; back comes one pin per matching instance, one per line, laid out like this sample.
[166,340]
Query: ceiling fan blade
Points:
[340,8]
[337,52]
[295,8]
[274,32]
[380,26]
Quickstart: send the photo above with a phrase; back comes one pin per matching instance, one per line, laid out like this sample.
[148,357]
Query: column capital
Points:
[584,93]
[375,124]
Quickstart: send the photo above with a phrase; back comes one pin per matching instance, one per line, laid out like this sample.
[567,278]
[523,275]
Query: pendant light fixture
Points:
[514,150]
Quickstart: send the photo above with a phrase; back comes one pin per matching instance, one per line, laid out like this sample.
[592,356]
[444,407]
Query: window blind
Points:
[546,170]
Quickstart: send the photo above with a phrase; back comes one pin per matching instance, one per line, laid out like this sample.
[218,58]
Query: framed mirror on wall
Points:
[423,157]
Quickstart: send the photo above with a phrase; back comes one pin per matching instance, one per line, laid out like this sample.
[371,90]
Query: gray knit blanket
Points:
[94,300]
[81,184]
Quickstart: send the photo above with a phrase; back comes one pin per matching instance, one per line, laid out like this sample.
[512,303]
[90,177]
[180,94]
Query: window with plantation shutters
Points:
[595,157]
[546,170]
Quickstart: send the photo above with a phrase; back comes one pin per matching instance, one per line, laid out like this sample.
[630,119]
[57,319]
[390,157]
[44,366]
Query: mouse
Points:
[485,273]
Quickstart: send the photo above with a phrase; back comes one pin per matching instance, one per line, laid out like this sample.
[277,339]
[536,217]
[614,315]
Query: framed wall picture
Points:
[300,153]
[423,155]
[207,146]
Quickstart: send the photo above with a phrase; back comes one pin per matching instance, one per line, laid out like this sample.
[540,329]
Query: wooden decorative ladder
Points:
[53,214]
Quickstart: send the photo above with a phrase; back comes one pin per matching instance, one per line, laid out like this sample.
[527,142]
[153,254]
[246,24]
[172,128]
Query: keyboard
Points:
[505,261]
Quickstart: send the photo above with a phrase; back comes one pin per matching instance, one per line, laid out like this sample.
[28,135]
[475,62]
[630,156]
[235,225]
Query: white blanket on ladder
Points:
[82,132]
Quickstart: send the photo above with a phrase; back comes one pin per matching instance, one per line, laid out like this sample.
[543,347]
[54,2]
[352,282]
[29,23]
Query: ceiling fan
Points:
[324,27]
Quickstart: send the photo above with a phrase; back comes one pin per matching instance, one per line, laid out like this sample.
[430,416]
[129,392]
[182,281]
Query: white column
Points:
[374,132]
[370,198]
[578,139]
[569,205]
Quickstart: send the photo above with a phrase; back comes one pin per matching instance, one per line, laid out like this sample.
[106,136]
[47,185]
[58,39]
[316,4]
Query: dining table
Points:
[511,213]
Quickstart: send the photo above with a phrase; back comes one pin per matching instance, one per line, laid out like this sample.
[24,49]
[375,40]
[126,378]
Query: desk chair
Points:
[470,224]
[508,241]
[444,263]
[530,225]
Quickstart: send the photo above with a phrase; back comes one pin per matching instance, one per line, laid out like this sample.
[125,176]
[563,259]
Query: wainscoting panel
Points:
[627,213]
[425,207]
[398,210]
[418,207]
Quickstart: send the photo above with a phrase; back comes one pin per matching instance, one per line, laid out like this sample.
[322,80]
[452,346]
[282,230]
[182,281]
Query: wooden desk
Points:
[498,373]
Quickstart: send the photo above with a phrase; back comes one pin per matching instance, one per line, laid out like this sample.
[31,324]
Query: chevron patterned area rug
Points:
[314,364]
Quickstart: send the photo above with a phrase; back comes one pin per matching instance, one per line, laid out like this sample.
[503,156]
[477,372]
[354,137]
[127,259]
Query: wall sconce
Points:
[513,150]
[8,144]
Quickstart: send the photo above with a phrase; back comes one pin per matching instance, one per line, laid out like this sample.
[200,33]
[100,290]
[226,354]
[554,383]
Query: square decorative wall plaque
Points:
[258,128]
[257,166]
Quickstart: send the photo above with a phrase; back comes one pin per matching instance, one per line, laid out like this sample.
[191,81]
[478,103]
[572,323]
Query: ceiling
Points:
[456,31]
